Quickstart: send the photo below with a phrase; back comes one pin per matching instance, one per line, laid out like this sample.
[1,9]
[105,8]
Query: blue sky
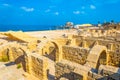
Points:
[57,12]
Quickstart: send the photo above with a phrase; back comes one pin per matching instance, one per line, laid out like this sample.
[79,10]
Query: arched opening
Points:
[97,56]
[52,51]
[20,60]
[102,59]
[115,27]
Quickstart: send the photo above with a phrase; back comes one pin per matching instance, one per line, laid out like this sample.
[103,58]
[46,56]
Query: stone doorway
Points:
[102,59]
[52,51]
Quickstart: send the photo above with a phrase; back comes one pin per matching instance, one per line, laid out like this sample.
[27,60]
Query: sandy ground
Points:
[51,34]
[9,71]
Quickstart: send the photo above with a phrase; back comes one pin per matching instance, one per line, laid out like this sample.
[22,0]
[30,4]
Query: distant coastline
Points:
[27,27]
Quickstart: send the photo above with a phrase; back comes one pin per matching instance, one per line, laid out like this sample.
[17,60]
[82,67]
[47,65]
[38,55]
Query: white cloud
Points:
[76,12]
[48,10]
[92,6]
[5,4]
[56,13]
[27,9]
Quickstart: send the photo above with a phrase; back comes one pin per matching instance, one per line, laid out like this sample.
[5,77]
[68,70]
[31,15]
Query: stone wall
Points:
[80,42]
[93,41]
[17,54]
[65,70]
[37,65]
[94,76]
[12,50]
[5,49]
[75,54]
[105,73]
[70,70]
[114,58]
[113,47]
[4,56]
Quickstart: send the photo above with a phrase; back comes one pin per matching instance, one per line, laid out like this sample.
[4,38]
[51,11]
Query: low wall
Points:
[75,54]
[17,54]
[90,42]
[36,65]
[80,42]
[105,73]
[70,70]
[11,51]
[63,70]
[114,58]
[4,56]
[113,48]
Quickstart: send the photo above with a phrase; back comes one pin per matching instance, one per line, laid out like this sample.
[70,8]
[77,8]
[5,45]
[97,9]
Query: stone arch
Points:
[97,53]
[93,44]
[56,50]
[52,54]
[102,59]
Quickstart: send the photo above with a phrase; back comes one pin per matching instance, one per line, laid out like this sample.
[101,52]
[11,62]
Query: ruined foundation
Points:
[74,57]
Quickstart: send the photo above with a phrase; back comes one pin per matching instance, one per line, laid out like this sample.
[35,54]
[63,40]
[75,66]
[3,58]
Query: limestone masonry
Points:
[91,54]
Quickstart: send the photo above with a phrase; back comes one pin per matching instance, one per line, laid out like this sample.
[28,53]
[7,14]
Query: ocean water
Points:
[27,27]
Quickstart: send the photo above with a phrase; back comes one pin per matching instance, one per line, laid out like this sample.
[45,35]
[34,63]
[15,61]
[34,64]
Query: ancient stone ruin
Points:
[94,56]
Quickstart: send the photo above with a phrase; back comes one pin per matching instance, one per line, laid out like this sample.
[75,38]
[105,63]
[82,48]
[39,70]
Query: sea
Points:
[27,27]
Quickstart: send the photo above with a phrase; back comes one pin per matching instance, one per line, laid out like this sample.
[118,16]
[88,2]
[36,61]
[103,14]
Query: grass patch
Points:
[19,66]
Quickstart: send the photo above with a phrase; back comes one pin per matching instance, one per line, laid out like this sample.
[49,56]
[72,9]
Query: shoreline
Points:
[36,30]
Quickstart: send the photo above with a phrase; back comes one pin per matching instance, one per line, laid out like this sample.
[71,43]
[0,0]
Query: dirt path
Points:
[51,72]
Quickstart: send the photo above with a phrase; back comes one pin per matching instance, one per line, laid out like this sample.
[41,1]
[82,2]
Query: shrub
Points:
[19,66]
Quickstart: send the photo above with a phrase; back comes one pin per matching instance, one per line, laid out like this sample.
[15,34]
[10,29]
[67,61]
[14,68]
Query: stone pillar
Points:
[28,62]
[40,51]
[73,42]
[39,66]
[85,76]
[11,55]
[85,44]
[107,58]
[45,68]
[36,65]
[59,54]
[111,46]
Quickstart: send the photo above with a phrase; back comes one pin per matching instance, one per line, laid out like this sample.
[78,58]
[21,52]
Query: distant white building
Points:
[83,25]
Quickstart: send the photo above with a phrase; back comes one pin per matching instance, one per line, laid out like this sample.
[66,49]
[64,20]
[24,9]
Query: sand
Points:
[51,33]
